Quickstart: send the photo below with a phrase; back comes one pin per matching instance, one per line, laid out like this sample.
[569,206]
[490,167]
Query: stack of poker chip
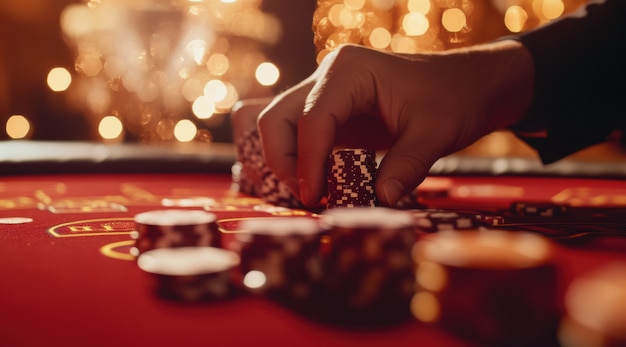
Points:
[175,228]
[490,287]
[351,176]
[432,220]
[280,258]
[522,208]
[369,273]
[191,274]
[255,178]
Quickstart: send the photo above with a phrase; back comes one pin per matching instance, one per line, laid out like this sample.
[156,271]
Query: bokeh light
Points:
[515,19]
[154,63]
[18,127]
[110,127]
[203,107]
[414,26]
[59,79]
[267,74]
[453,20]
[254,279]
[185,130]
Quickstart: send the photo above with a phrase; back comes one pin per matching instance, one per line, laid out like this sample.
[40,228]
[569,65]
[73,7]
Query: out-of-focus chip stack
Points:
[191,274]
[490,287]
[250,174]
[280,258]
[368,272]
[175,228]
[595,309]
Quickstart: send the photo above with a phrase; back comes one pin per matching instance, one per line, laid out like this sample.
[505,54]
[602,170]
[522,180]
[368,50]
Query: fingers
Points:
[345,89]
[244,115]
[277,126]
[406,164]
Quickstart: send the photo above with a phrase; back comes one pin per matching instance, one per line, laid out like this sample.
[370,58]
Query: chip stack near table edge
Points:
[351,176]
[191,274]
[175,228]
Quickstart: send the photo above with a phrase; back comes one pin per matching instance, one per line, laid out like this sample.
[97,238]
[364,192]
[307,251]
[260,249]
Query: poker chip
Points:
[595,309]
[350,179]
[253,177]
[369,275]
[240,181]
[175,228]
[490,287]
[280,257]
[432,220]
[190,273]
[521,208]
[15,220]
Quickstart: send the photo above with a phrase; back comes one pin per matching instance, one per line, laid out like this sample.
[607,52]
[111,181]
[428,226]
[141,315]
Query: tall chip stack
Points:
[369,275]
[351,176]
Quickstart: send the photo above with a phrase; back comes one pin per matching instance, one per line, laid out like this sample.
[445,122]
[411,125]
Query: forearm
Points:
[579,95]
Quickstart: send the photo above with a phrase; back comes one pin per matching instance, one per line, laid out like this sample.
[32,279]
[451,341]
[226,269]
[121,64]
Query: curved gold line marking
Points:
[109,250]
[52,230]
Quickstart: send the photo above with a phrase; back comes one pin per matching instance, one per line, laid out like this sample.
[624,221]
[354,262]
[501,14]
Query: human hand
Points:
[419,108]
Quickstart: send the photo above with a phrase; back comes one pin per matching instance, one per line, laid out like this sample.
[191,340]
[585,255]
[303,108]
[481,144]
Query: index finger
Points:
[345,88]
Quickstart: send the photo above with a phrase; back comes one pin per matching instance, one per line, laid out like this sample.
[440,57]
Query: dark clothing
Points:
[580,73]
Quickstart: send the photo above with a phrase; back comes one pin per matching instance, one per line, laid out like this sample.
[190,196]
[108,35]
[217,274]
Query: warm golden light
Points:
[218,64]
[185,130]
[354,5]
[254,279]
[203,107]
[453,20]
[415,24]
[425,307]
[422,6]
[110,127]
[229,99]
[18,127]
[431,276]
[267,74]
[215,90]
[380,38]
[152,62]
[59,79]
[552,9]
[196,49]
[515,19]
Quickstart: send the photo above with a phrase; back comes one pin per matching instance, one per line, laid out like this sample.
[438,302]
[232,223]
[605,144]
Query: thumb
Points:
[403,168]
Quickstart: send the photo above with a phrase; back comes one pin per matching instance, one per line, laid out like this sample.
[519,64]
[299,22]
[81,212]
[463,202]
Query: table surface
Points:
[68,278]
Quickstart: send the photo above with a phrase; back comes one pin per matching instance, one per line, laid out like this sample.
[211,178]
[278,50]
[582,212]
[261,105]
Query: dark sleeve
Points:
[580,89]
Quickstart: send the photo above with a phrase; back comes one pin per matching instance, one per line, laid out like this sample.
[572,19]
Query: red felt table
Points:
[67,278]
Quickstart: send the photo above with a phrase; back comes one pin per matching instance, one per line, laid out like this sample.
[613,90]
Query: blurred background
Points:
[153,71]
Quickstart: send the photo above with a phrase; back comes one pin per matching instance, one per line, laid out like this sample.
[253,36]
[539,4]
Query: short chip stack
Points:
[255,178]
[351,176]
[190,273]
[175,228]
[369,272]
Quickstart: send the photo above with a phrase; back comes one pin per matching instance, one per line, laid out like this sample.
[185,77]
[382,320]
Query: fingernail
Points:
[293,186]
[392,188]
[305,191]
